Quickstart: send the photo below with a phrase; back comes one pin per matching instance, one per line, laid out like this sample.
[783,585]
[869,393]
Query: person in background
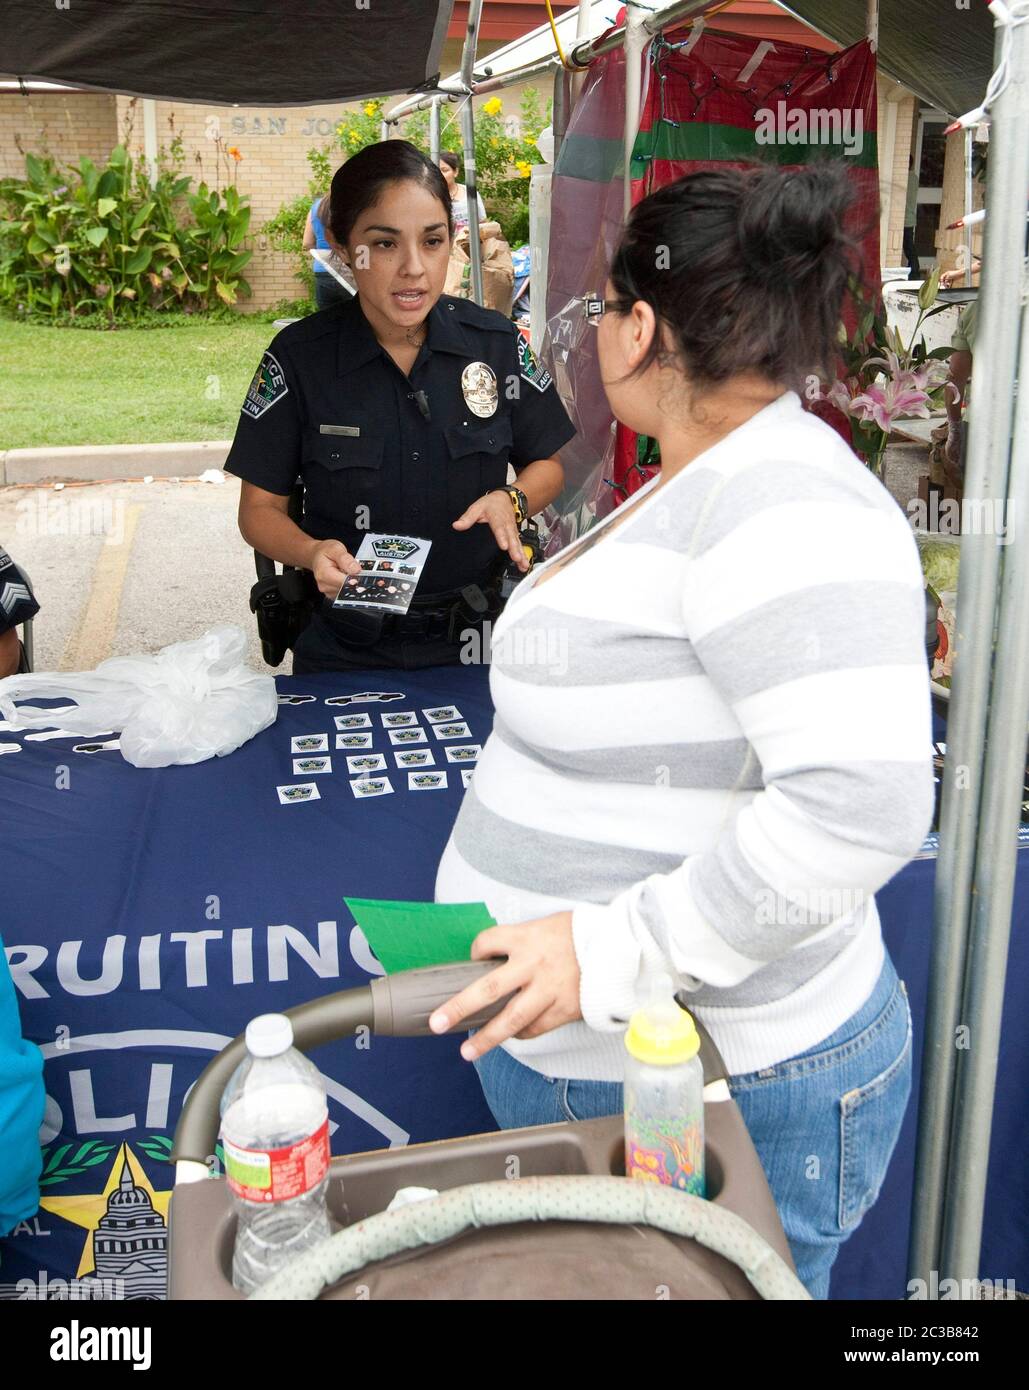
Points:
[22,1102]
[449,164]
[963,343]
[327,289]
[17,605]
[957,277]
[910,217]
[710,775]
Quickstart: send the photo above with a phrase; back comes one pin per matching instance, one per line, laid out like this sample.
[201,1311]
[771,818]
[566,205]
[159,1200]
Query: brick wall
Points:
[68,124]
[893,172]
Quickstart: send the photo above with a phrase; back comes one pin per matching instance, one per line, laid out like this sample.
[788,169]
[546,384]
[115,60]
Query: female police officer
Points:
[400,411]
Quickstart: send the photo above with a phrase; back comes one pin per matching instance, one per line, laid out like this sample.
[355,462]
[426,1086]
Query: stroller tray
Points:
[537,1260]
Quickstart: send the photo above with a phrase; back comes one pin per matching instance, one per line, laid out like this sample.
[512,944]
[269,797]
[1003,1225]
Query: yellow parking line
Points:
[94,638]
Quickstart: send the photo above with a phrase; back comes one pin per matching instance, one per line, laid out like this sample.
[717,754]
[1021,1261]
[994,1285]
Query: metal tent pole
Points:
[968,205]
[872,23]
[996,841]
[985,478]
[654,23]
[560,109]
[582,33]
[468,137]
[636,40]
[434,130]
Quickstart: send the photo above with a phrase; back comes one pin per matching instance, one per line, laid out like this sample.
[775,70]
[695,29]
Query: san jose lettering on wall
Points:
[248,126]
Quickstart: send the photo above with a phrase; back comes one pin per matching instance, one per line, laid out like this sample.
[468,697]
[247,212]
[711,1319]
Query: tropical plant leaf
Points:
[141,216]
[34,169]
[105,206]
[137,263]
[95,235]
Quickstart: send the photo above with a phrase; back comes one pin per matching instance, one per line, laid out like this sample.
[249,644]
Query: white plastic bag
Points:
[189,702]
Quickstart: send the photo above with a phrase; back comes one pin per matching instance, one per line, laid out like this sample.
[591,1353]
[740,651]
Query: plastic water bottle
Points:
[275,1133]
[664,1097]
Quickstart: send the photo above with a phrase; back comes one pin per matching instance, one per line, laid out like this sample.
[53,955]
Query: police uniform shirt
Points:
[329,405]
[17,602]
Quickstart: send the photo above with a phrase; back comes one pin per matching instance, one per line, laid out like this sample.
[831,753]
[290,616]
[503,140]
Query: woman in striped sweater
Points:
[712,723]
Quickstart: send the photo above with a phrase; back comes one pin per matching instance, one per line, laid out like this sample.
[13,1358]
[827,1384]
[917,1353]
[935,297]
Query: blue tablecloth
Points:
[150,914]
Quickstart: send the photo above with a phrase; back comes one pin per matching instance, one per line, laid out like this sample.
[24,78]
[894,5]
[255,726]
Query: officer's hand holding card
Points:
[391,567]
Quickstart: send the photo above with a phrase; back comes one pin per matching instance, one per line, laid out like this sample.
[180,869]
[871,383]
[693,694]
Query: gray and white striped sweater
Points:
[712,743]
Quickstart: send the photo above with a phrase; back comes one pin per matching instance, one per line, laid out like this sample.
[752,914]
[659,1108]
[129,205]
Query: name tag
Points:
[351,431]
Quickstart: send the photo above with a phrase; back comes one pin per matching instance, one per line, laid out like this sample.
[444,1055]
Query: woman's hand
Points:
[332,563]
[541,965]
[497,510]
[951,277]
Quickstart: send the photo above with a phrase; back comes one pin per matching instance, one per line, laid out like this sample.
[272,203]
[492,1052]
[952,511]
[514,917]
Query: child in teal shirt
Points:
[22,1099]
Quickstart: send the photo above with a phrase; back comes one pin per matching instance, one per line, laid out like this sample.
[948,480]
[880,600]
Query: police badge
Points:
[479,388]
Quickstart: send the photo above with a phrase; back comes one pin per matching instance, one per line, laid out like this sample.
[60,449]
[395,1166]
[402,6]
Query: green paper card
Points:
[407,935]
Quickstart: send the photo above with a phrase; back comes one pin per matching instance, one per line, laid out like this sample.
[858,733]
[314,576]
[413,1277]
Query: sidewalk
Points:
[93,462]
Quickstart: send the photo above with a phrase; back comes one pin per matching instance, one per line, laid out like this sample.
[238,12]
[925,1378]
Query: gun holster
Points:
[283,604]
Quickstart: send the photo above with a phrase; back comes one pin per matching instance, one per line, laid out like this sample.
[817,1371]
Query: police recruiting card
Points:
[390,569]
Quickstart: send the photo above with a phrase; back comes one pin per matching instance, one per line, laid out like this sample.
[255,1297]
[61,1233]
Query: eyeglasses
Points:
[593,308]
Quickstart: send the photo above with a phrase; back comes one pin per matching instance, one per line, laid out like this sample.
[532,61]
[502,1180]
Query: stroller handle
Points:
[396,1006]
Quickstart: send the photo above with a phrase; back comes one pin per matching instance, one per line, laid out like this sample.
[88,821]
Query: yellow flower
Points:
[493,107]
[494,141]
[524,167]
[340,128]
[369,108]
[354,137]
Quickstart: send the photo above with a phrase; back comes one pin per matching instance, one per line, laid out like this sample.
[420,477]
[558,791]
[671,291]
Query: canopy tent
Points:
[942,53]
[938,50]
[253,52]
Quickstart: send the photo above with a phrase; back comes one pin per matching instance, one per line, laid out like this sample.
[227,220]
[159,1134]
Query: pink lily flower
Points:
[882,404]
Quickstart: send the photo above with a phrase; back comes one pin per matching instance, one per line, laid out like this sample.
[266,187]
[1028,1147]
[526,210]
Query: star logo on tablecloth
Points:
[126,1225]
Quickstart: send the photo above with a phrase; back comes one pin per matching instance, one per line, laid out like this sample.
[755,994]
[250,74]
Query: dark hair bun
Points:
[791,223]
[746,268]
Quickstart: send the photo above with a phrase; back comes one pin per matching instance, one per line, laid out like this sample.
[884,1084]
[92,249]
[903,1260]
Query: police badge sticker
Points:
[267,387]
[479,388]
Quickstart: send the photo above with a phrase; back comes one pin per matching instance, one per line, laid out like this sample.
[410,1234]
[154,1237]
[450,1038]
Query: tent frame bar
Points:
[986,739]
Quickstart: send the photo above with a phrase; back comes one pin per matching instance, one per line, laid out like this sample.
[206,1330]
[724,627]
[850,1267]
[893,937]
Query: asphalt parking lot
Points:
[127,567]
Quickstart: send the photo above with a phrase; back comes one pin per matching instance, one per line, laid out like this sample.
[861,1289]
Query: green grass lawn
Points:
[142,386]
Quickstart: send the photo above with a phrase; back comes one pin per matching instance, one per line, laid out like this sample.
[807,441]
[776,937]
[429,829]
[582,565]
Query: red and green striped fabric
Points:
[716,99]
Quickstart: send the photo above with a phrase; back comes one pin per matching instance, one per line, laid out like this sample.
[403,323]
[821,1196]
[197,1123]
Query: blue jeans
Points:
[824,1123]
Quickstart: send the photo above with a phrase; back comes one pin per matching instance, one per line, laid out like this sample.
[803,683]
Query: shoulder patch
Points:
[267,387]
[531,368]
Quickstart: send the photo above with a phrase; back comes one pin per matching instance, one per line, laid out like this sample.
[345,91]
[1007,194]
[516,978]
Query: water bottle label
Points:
[274,1175]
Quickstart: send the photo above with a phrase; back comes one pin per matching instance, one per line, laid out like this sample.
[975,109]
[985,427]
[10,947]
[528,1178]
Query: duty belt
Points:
[437,616]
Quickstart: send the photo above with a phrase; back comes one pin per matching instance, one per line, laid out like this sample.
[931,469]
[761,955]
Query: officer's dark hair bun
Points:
[747,268]
[357,184]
